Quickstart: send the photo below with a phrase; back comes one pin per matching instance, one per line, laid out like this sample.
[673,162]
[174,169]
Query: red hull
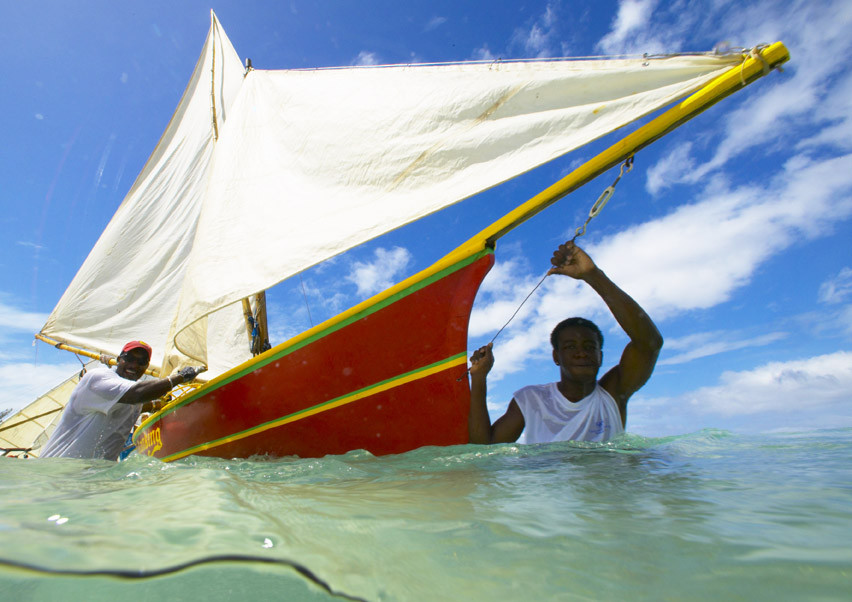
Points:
[388,380]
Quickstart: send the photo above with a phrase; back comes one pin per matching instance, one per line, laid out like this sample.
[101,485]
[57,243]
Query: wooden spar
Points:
[256,319]
[83,352]
[6,427]
[262,341]
[248,317]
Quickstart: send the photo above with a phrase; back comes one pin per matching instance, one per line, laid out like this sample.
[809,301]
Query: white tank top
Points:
[549,416]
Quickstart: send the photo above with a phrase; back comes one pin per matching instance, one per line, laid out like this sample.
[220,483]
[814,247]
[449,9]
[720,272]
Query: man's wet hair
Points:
[554,336]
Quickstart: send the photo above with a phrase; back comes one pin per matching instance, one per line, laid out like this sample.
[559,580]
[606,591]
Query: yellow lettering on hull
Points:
[150,443]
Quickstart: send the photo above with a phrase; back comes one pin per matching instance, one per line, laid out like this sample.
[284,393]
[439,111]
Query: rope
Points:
[82,363]
[36,417]
[603,199]
[754,53]
[305,297]
[519,307]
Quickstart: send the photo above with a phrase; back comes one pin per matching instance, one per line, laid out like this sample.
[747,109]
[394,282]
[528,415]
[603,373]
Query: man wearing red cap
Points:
[105,404]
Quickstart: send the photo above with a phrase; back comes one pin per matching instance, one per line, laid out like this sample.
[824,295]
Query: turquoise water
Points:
[706,516]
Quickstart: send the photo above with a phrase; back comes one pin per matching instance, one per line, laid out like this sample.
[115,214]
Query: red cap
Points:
[137,345]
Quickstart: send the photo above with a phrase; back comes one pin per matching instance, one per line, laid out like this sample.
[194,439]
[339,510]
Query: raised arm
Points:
[640,355]
[505,429]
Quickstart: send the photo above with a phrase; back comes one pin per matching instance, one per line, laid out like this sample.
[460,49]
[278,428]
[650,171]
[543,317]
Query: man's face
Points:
[578,353]
[132,365]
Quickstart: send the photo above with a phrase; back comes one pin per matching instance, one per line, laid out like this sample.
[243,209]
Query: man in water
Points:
[105,404]
[579,406]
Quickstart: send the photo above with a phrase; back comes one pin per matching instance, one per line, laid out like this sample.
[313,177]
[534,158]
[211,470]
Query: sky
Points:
[733,232]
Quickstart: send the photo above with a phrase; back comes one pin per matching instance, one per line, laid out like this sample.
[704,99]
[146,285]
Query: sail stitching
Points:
[213,86]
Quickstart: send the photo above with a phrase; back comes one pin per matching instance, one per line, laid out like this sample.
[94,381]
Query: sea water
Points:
[706,516]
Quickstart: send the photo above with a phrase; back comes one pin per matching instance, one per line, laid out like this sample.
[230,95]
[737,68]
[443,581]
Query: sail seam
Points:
[213,84]
[733,53]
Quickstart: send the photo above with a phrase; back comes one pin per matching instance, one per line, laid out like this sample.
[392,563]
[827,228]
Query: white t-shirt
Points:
[549,416]
[94,424]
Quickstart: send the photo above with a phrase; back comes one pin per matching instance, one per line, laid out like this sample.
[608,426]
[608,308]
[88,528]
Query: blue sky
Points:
[734,232]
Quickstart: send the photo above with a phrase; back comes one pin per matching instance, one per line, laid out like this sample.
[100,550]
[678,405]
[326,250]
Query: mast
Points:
[256,324]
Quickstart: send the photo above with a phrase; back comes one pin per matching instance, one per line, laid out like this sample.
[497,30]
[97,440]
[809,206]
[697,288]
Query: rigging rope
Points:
[305,297]
[598,206]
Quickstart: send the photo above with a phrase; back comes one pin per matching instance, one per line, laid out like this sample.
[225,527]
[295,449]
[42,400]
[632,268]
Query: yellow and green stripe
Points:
[374,389]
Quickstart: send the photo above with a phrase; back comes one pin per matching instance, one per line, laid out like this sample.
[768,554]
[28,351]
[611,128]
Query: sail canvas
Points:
[262,174]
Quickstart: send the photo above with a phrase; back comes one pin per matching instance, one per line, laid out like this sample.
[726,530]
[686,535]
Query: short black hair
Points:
[554,336]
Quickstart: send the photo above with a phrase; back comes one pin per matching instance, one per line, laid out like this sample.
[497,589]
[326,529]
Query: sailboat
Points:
[24,433]
[262,174]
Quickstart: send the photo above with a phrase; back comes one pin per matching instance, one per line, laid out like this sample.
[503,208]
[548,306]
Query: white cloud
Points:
[712,343]
[21,383]
[434,23]
[837,289]
[322,298]
[696,256]
[832,122]
[796,386]
[635,31]
[632,17]
[483,54]
[811,393]
[539,39]
[366,58]
[15,319]
[676,166]
[381,272]
[806,107]
[32,245]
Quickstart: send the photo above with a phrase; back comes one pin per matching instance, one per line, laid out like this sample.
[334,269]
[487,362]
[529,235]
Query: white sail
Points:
[303,165]
[312,163]
[128,287]
[30,427]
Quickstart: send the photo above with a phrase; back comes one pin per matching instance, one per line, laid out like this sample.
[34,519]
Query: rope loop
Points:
[754,53]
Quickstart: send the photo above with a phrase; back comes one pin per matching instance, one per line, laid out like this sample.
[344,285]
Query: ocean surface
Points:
[705,516]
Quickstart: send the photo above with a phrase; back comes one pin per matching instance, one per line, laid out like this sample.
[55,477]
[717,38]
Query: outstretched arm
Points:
[146,392]
[509,426]
[640,355]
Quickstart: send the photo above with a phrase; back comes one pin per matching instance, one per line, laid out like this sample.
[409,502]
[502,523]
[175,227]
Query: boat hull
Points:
[388,379]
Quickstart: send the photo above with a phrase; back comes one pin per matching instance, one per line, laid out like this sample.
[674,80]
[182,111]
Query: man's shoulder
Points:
[535,390]
[99,374]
